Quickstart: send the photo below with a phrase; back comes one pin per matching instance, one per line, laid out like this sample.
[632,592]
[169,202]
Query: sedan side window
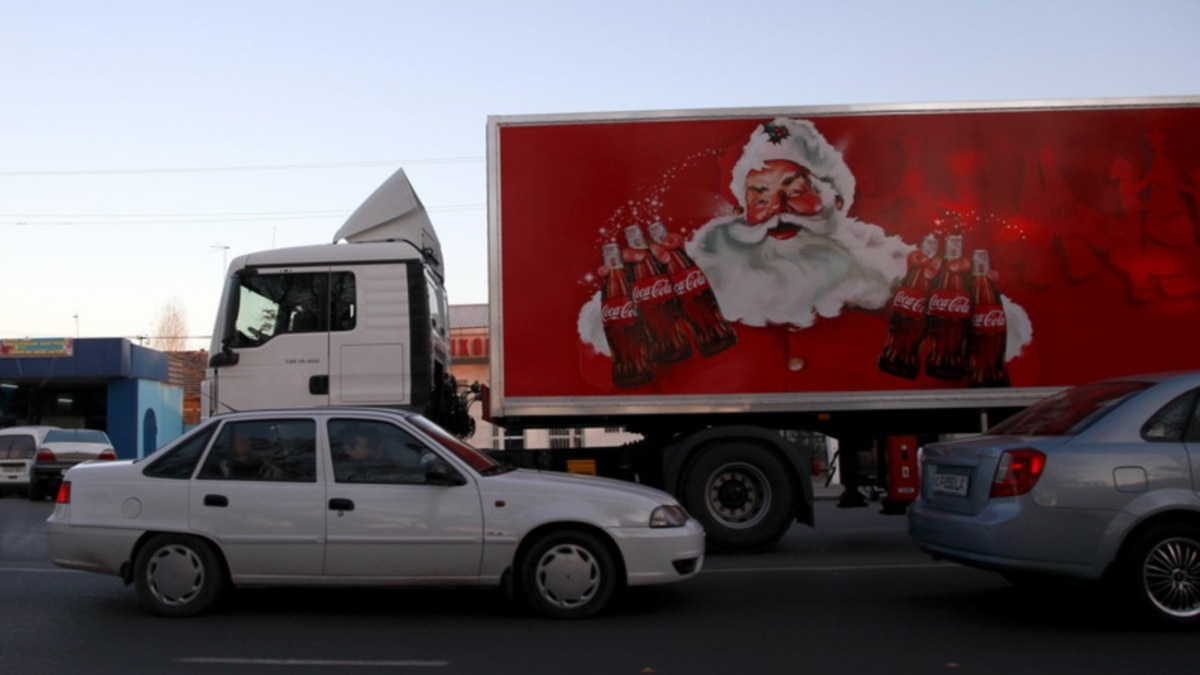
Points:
[180,461]
[264,450]
[1171,422]
[366,451]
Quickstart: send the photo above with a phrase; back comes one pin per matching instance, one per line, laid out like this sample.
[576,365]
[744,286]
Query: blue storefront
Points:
[109,384]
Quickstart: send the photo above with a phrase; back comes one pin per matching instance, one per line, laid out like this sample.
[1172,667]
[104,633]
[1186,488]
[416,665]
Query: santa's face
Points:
[780,188]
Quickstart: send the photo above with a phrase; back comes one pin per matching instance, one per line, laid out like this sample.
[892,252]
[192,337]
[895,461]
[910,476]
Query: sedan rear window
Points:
[1068,412]
[76,436]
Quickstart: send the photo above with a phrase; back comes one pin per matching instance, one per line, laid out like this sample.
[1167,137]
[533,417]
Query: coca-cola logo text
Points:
[989,319]
[690,282]
[652,291]
[952,304]
[618,311]
[908,301]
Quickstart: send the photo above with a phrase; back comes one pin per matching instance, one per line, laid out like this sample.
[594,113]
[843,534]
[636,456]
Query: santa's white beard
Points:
[760,280]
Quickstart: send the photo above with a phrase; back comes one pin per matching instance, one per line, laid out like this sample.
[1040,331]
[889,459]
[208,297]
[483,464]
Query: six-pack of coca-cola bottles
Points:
[959,330]
[654,310]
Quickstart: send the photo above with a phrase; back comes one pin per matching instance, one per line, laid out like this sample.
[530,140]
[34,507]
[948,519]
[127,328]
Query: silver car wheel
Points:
[175,575]
[1171,577]
[739,495]
[568,576]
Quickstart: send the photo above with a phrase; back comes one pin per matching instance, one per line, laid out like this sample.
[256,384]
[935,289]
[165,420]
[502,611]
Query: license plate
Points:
[951,484]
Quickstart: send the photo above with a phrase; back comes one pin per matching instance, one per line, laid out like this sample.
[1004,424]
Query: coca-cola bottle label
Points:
[989,319]
[910,301]
[618,312]
[951,304]
[689,282]
[652,290]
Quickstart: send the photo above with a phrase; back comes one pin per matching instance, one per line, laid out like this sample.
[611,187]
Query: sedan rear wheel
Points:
[1162,572]
[177,575]
[568,575]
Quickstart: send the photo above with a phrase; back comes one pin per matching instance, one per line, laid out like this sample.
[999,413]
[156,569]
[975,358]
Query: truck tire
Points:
[741,493]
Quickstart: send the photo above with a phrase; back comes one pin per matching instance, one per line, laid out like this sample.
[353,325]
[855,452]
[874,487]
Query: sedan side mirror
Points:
[439,472]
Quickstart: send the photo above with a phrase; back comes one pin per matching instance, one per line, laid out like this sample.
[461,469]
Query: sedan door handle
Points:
[337,504]
[216,500]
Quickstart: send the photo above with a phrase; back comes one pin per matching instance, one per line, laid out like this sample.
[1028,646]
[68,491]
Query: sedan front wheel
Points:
[568,575]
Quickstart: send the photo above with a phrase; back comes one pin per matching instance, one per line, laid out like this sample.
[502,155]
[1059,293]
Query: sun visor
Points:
[393,213]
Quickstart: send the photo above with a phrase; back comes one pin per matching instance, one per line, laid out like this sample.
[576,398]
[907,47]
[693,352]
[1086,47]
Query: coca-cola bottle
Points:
[625,330]
[949,315]
[901,355]
[654,296]
[989,329]
[712,333]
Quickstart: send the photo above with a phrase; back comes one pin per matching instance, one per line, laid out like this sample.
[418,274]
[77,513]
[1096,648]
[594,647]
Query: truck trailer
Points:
[717,281]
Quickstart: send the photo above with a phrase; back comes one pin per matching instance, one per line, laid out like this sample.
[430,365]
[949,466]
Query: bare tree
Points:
[170,333]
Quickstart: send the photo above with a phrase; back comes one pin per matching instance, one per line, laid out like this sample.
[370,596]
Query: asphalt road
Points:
[851,595]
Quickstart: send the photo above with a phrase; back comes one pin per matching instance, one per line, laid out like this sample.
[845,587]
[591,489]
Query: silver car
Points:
[1098,482]
[344,497]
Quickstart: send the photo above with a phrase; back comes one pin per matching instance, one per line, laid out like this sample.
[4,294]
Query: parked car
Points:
[1098,482]
[18,449]
[354,497]
[62,449]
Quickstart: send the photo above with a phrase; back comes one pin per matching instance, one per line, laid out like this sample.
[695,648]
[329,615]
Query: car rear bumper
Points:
[661,555]
[1006,537]
[92,549]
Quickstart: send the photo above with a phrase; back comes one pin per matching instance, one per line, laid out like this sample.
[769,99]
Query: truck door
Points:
[279,340]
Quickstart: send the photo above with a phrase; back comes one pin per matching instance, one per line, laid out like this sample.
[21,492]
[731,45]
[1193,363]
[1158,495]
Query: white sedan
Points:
[340,497]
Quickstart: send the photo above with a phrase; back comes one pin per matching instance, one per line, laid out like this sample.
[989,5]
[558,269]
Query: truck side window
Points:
[270,305]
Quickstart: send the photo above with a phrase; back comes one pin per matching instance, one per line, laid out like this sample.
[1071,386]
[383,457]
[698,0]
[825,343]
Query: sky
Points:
[143,145]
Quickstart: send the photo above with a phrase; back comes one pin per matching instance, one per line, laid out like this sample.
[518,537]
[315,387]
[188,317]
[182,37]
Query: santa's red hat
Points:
[796,141]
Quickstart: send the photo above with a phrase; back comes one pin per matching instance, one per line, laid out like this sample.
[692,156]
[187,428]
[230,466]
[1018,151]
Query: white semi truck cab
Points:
[360,321]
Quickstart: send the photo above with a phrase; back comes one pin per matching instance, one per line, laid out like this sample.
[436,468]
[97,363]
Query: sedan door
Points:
[384,520]
[258,496]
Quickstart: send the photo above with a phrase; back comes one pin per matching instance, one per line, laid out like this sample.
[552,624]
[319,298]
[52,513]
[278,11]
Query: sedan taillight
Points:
[107,455]
[64,493]
[45,455]
[1017,472]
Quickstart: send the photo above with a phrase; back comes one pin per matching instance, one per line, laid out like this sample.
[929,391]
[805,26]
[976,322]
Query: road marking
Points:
[313,662]
[828,568]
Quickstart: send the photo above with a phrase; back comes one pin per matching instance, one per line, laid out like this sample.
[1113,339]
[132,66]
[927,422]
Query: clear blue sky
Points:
[143,143]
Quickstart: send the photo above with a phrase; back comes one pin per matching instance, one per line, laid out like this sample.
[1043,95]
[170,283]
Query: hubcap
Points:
[738,495]
[175,575]
[568,576]
[1171,577]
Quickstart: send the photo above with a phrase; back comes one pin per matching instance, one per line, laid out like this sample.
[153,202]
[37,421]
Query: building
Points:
[108,384]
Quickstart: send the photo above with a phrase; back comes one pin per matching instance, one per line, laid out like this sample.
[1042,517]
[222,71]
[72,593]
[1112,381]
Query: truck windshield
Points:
[467,453]
[1068,412]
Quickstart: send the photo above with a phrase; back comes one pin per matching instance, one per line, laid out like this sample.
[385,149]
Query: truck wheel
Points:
[177,575]
[740,492]
[1161,573]
[568,575]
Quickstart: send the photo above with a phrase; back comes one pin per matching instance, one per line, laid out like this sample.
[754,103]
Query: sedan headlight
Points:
[671,515]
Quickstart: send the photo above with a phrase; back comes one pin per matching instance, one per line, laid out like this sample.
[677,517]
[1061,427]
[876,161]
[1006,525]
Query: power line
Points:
[249,167]
[93,220]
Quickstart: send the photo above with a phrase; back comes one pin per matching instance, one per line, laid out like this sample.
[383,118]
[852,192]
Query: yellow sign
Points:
[37,347]
[585,467]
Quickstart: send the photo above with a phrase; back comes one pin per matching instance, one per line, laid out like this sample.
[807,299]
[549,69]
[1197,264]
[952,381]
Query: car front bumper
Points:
[660,555]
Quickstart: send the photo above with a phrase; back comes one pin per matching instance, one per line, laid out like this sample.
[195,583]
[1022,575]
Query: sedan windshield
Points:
[1068,412]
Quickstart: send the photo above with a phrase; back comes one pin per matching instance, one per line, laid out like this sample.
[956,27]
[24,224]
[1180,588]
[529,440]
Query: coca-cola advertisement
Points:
[848,251]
